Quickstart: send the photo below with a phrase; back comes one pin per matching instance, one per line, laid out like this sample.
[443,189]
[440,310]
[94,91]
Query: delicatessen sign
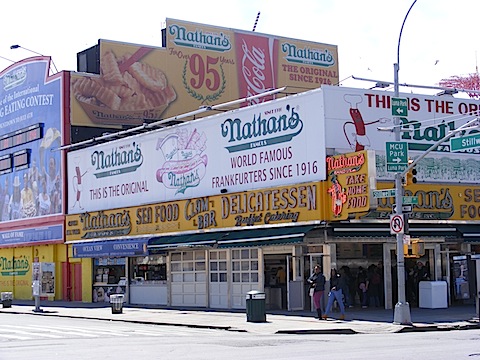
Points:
[271,206]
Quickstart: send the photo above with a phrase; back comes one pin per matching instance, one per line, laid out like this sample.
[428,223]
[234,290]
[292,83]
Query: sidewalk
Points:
[358,321]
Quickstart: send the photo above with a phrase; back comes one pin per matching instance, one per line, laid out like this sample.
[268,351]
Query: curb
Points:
[319,332]
[474,325]
[56,314]
[438,328]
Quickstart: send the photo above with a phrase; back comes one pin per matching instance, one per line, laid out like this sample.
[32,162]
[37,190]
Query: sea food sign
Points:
[263,207]
[351,179]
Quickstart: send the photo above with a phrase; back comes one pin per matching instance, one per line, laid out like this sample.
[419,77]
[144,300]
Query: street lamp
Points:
[402,308]
[13,47]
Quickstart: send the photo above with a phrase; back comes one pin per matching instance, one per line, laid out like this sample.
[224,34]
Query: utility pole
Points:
[402,308]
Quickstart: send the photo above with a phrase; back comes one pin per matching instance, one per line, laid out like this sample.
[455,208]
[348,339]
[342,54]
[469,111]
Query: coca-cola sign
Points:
[256,65]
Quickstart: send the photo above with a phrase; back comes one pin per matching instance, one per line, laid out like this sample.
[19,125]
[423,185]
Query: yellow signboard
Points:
[351,178]
[200,65]
[435,202]
[272,206]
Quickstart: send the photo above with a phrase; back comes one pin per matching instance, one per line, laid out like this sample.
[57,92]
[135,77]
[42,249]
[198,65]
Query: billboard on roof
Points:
[31,118]
[200,65]
[353,118]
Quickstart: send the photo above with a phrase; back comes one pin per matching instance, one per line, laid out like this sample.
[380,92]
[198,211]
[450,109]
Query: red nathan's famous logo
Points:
[338,165]
[344,164]
[257,65]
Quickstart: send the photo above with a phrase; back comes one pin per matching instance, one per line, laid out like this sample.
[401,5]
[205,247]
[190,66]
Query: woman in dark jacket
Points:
[317,282]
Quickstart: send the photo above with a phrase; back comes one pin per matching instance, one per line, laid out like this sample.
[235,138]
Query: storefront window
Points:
[144,269]
[109,278]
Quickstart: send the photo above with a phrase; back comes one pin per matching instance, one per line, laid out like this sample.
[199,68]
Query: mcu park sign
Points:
[397,156]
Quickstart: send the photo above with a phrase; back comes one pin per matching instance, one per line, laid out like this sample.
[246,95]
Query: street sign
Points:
[465,142]
[410,200]
[396,224]
[377,194]
[397,156]
[399,107]
[405,208]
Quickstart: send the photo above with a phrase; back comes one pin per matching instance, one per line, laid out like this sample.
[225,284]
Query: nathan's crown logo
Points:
[119,160]
[199,39]
[16,266]
[307,55]
[15,78]
[262,131]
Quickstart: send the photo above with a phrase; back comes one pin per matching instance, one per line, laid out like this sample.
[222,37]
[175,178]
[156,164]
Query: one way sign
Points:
[405,208]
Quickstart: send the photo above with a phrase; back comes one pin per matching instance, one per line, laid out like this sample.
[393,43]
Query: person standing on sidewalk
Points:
[317,283]
[335,294]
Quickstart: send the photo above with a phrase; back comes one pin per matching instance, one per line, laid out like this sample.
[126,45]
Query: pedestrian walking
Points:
[317,284]
[335,294]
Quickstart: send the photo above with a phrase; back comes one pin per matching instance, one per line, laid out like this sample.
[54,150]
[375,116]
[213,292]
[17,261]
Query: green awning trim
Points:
[235,238]
[470,233]
[377,232]
[265,237]
[170,242]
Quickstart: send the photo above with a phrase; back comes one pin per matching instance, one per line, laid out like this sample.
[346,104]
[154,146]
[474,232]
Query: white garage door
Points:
[189,279]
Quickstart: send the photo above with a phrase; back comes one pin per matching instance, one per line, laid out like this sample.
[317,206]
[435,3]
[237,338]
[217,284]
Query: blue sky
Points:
[438,41]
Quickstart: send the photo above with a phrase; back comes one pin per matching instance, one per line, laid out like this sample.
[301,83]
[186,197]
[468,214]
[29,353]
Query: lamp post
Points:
[402,308]
[16,46]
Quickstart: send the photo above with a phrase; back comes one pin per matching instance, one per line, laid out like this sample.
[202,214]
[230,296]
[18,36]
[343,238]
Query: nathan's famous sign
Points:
[270,206]
[200,65]
[351,179]
[435,202]
[277,143]
[352,117]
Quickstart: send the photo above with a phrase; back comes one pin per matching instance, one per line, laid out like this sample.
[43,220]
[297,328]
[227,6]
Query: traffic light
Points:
[410,176]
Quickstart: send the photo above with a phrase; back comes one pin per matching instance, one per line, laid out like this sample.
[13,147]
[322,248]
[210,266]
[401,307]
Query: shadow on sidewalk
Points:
[419,315]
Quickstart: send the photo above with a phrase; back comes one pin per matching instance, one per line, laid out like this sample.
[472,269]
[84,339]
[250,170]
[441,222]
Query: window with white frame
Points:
[245,265]
[218,266]
[188,266]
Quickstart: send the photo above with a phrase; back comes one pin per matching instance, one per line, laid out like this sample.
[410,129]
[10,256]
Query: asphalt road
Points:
[40,337]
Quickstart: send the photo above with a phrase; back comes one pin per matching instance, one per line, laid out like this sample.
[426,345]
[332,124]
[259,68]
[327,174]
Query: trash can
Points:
[116,301]
[6,298]
[256,306]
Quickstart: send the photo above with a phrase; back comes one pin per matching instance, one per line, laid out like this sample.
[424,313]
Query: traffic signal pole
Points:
[402,308]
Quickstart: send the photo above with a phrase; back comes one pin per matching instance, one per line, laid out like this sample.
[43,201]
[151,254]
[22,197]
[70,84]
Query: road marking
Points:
[15,329]
[16,337]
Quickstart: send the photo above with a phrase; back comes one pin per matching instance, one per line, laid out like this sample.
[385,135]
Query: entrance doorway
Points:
[416,269]
[275,275]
